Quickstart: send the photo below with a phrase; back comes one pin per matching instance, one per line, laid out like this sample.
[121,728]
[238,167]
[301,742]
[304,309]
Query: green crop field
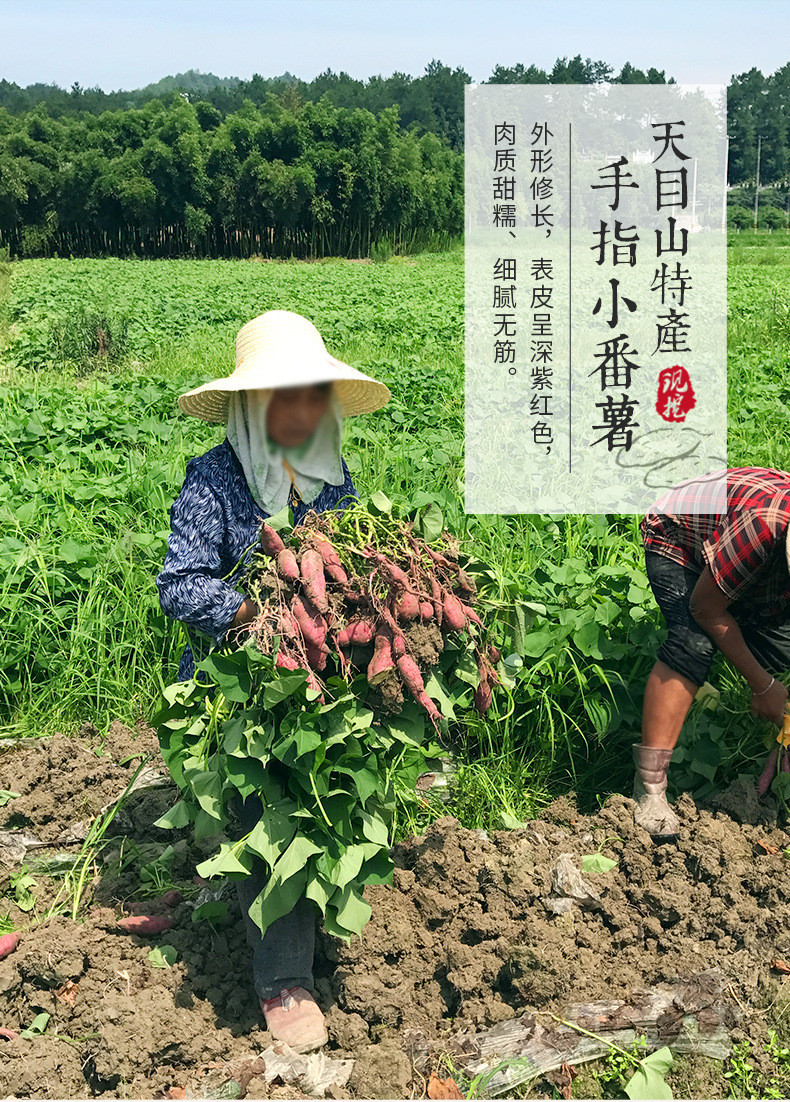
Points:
[94,451]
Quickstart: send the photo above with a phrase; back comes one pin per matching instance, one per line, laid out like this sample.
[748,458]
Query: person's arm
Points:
[708,606]
[190,586]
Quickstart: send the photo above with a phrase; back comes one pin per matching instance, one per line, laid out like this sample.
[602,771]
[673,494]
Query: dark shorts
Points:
[689,650]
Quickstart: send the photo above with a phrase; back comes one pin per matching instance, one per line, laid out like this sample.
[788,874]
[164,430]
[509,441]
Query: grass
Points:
[97,456]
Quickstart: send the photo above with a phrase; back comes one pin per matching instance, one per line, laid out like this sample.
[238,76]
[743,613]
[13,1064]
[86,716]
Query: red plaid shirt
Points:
[744,546]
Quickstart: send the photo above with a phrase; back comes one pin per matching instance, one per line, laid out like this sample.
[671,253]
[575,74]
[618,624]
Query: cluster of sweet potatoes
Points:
[322,597]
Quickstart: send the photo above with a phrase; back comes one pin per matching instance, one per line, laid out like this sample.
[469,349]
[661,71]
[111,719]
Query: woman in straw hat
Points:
[284,407]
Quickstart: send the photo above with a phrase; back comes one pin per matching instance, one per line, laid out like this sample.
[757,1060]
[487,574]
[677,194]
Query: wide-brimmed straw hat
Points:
[279,349]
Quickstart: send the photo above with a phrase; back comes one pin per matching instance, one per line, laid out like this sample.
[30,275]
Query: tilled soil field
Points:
[476,929]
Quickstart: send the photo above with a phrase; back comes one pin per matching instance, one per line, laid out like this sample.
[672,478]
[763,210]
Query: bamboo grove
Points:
[176,179]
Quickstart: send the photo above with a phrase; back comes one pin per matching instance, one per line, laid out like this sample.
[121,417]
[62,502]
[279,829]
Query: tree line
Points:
[178,180]
[201,166]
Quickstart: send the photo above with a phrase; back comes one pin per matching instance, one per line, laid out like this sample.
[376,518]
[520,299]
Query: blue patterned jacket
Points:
[214,524]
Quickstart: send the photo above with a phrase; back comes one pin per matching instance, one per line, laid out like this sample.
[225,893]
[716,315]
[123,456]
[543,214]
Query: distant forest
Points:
[198,165]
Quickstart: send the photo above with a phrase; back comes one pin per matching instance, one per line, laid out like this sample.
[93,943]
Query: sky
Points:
[125,44]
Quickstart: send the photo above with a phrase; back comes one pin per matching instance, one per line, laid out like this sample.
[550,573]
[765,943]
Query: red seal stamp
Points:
[675,393]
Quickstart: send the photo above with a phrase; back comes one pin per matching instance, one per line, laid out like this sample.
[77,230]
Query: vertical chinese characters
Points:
[504,274]
[542,290]
[617,244]
[672,280]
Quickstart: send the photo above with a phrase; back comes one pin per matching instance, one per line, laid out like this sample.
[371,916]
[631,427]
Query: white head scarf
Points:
[314,462]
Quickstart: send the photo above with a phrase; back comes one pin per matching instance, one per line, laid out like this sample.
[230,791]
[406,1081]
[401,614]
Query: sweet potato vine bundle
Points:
[327,711]
[365,593]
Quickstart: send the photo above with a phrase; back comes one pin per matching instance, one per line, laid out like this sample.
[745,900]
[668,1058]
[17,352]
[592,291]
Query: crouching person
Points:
[722,583]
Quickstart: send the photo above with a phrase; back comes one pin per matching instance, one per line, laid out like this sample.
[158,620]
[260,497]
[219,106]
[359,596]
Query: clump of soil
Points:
[391,692]
[466,937]
[64,781]
[425,642]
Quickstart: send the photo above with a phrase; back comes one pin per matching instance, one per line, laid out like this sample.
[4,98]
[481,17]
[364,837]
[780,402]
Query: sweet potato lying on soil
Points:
[8,942]
[146,925]
[150,907]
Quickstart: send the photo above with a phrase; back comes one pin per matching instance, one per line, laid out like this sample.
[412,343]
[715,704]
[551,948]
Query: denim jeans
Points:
[283,955]
[688,649]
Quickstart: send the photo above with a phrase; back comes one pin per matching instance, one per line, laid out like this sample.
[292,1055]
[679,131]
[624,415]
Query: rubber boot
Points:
[293,1016]
[653,813]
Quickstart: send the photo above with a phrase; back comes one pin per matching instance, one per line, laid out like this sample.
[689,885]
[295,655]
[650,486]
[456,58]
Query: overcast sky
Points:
[129,43]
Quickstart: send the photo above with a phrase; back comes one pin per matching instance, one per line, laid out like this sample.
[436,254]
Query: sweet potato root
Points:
[412,679]
[270,541]
[311,623]
[358,633]
[287,565]
[407,607]
[381,662]
[470,614]
[332,563]
[316,656]
[311,568]
[768,774]
[454,615]
[286,661]
[483,697]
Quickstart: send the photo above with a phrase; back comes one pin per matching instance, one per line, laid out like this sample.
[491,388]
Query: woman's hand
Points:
[770,704]
[248,610]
